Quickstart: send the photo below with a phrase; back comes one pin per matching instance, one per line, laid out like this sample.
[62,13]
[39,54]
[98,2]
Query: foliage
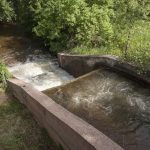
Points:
[68,23]
[119,27]
[139,46]
[4,74]
[101,2]
[7,13]
[24,12]
[127,14]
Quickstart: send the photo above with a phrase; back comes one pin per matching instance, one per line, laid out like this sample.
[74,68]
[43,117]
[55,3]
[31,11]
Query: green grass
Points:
[4,74]
[96,51]
[19,131]
[139,50]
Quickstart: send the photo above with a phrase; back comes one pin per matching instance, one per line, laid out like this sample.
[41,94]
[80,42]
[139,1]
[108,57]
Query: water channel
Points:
[27,60]
[115,105]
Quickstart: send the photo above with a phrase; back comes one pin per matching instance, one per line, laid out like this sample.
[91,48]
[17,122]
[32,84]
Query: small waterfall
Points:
[42,71]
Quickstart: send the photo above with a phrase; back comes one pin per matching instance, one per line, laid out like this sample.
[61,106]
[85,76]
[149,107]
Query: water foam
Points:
[42,71]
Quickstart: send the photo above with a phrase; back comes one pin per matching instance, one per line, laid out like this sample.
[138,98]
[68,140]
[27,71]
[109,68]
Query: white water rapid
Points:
[41,71]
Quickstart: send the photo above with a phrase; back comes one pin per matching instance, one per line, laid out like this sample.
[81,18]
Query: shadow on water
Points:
[113,104]
[15,45]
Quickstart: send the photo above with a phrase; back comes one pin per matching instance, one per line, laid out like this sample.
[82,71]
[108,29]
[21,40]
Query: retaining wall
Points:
[78,65]
[64,127]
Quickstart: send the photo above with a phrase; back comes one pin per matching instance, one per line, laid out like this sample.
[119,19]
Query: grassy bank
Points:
[4,75]
[138,46]
[19,131]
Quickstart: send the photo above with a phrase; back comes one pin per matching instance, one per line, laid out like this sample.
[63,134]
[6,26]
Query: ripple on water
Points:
[42,71]
[113,104]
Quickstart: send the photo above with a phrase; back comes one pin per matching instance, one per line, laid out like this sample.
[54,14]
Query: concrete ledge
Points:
[78,65]
[64,127]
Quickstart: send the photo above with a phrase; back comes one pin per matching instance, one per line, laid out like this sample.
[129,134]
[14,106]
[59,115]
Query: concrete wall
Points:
[64,127]
[78,65]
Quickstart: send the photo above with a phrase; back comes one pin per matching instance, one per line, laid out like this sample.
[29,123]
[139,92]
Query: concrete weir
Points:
[65,128]
[78,65]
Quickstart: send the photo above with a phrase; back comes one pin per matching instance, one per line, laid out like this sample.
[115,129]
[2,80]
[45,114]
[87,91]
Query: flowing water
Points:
[113,104]
[42,71]
[28,61]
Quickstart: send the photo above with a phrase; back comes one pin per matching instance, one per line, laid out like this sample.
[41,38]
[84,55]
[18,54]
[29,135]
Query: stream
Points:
[41,71]
[118,107]
[27,60]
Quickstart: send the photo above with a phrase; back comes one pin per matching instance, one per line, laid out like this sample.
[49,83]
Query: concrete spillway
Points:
[113,104]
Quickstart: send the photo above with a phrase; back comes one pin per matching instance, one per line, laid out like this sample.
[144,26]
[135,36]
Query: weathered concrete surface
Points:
[78,65]
[64,127]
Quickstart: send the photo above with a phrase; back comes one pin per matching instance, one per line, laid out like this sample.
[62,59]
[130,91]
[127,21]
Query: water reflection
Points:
[114,105]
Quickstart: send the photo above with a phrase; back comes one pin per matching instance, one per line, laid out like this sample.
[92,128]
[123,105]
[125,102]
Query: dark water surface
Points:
[15,45]
[113,104]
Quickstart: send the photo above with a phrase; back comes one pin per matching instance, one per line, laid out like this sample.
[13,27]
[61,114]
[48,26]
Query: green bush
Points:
[25,13]
[65,24]
[139,44]
[4,74]
[7,13]
[118,27]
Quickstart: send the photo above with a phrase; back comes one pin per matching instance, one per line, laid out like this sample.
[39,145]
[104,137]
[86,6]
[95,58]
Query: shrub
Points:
[7,13]
[65,24]
[128,13]
[139,45]
[4,74]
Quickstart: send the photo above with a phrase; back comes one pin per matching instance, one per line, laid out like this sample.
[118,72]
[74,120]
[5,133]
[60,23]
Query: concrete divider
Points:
[78,65]
[64,127]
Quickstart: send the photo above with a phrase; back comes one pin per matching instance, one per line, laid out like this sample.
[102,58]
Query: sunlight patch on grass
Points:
[96,51]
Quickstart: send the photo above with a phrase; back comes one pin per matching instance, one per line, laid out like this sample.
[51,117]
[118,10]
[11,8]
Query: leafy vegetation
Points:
[4,75]
[7,13]
[119,27]
[65,24]
[138,46]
